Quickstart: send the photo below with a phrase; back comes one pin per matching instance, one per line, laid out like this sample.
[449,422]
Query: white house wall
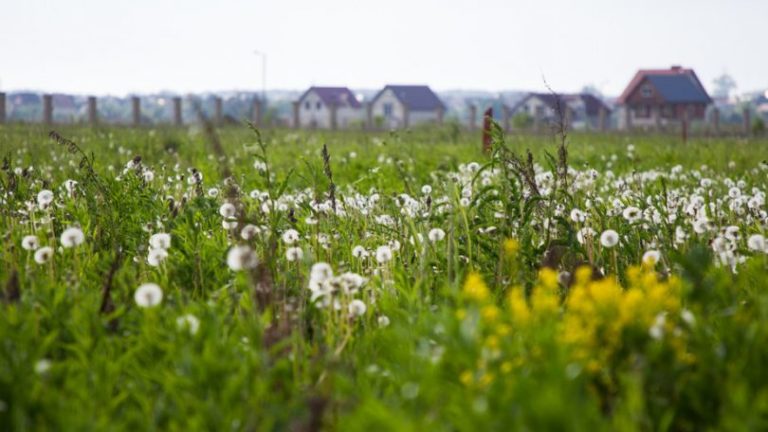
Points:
[377,110]
[320,118]
[398,112]
[312,116]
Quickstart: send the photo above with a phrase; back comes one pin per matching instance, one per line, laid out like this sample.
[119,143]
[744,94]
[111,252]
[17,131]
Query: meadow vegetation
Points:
[236,279]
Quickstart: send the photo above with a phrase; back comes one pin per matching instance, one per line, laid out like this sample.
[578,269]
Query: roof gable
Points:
[338,96]
[681,85]
[415,97]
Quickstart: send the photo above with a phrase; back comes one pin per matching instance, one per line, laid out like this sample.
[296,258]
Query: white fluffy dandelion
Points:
[188,323]
[72,237]
[30,242]
[609,238]
[651,257]
[249,231]
[160,241]
[290,237]
[156,256]
[756,242]
[359,252]
[435,235]
[357,308]
[241,257]
[294,254]
[44,198]
[227,210]
[43,254]
[148,295]
[383,254]
[632,214]
[383,321]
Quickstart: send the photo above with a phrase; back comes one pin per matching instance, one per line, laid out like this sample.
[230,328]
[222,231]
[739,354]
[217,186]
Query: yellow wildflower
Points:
[511,247]
[475,288]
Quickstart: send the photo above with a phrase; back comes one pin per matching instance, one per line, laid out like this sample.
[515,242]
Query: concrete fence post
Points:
[507,115]
[472,117]
[746,121]
[406,116]
[48,109]
[218,110]
[93,114]
[333,111]
[538,114]
[715,120]
[258,114]
[627,118]
[177,120]
[296,123]
[369,116]
[135,110]
[2,107]
[602,119]
[440,114]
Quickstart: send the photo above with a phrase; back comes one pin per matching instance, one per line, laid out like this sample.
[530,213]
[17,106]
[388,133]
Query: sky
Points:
[115,47]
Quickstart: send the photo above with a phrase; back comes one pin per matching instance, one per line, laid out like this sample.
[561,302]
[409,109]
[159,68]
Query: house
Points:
[659,97]
[581,111]
[328,108]
[405,105]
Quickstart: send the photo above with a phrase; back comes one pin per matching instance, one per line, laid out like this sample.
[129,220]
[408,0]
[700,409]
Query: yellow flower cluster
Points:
[601,316]
[599,320]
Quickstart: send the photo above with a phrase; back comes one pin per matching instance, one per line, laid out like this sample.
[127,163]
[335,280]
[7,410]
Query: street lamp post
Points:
[263,75]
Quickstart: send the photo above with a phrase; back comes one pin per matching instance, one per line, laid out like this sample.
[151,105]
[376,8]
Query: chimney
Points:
[676,68]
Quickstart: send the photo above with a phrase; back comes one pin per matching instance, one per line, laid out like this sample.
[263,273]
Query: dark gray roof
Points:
[679,88]
[415,97]
[339,96]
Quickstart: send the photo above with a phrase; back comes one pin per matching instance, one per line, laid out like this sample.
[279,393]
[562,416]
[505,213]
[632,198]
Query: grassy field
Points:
[169,279]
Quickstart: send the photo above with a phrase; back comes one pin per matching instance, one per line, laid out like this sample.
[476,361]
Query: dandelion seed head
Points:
[148,295]
[241,258]
[609,238]
[72,237]
[30,242]
[43,254]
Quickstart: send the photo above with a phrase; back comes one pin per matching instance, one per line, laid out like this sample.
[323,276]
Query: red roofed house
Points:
[328,108]
[659,97]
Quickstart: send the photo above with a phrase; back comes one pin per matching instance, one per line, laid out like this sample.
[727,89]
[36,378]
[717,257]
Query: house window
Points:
[319,106]
[643,111]
[307,106]
[388,110]
[646,91]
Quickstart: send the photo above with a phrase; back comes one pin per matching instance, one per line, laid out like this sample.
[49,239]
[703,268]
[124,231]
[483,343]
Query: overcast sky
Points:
[119,47]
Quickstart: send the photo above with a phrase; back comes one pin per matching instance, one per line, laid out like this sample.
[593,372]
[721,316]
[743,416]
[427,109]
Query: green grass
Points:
[489,328]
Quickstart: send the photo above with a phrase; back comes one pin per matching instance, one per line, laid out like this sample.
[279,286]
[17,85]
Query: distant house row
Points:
[394,106]
[653,99]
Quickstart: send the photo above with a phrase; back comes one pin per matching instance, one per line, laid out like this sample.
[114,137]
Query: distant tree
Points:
[593,90]
[724,85]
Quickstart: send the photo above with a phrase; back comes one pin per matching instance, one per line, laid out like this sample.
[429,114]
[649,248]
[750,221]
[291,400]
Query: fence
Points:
[92,110]
[710,125]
